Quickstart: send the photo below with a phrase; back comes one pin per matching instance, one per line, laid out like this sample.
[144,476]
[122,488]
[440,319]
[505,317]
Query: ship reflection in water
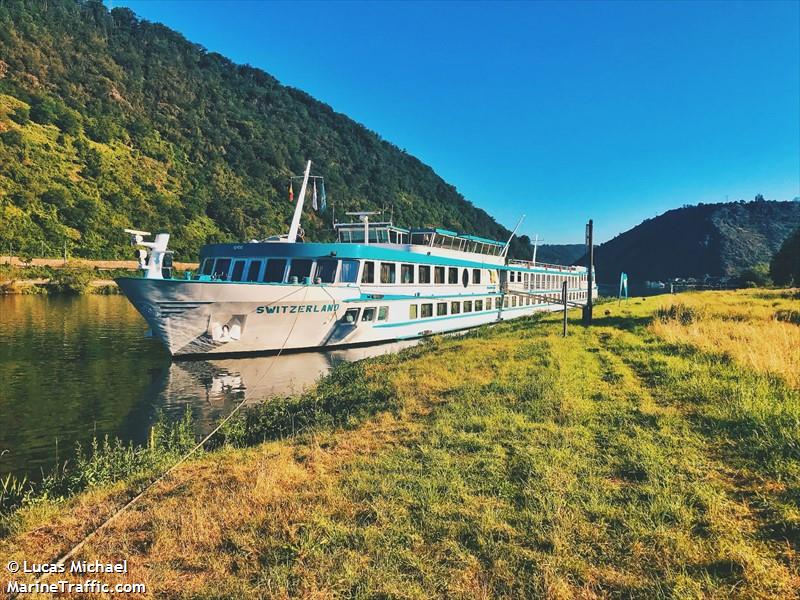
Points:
[214,387]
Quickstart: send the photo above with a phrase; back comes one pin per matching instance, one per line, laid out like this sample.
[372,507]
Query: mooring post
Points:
[564,299]
[587,310]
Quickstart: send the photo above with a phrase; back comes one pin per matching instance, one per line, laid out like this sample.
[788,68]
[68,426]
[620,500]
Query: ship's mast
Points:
[511,237]
[298,210]
[535,246]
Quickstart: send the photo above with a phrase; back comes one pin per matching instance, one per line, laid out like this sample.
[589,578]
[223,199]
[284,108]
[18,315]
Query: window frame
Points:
[293,262]
[250,277]
[426,270]
[405,270]
[368,268]
[269,262]
[323,261]
[391,273]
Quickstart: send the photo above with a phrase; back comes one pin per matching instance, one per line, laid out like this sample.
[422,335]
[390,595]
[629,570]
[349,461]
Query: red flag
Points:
[291,192]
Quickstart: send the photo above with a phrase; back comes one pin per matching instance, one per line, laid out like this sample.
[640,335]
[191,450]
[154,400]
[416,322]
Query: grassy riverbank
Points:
[656,454]
[80,276]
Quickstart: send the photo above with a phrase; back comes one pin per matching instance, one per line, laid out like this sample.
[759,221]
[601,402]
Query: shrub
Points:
[72,279]
[788,316]
[685,315]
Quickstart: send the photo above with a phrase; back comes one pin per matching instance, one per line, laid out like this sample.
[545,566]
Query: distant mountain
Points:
[693,241]
[560,254]
[108,121]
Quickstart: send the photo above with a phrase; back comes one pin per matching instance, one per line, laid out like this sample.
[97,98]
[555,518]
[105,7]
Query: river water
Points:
[72,368]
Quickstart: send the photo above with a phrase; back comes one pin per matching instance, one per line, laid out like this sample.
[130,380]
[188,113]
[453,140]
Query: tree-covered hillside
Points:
[107,121]
[709,239]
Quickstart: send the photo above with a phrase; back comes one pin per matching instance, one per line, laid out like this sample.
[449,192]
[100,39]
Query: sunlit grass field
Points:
[654,455]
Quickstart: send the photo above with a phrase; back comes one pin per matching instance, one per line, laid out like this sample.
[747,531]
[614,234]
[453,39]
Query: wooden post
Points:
[564,299]
[587,310]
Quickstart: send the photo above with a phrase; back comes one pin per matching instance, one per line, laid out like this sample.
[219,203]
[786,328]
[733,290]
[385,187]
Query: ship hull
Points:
[221,318]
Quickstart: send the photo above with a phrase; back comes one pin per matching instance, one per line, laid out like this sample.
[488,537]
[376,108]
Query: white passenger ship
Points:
[376,283]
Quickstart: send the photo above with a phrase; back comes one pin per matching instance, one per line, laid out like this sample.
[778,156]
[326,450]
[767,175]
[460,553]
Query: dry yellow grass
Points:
[742,325]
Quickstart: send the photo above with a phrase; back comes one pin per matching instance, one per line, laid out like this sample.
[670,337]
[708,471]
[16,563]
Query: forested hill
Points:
[107,121]
[693,241]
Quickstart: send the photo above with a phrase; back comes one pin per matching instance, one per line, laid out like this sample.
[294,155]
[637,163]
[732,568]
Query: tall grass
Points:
[106,461]
[760,331]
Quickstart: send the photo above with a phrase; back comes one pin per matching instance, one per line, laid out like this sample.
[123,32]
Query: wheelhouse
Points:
[378,233]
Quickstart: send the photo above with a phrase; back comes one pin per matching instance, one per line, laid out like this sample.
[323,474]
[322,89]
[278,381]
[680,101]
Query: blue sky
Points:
[563,111]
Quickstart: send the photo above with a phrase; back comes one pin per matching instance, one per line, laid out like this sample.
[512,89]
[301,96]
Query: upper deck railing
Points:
[387,233]
[527,264]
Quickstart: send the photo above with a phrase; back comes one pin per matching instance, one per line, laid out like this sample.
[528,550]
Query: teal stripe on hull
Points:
[459,316]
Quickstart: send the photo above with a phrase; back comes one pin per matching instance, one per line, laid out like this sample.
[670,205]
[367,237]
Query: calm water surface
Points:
[72,368]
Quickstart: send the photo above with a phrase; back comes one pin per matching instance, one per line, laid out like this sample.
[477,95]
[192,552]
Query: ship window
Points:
[497,302]
[441,309]
[513,301]
[467,306]
[238,270]
[368,274]
[488,304]
[455,308]
[387,272]
[424,274]
[525,279]
[505,302]
[412,311]
[253,270]
[351,315]
[326,270]
[349,271]
[406,273]
[492,276]
[208,266]
[438,274]
[452,275]
[426,310]
[221,268]
[511,276]
[465,277]
[300,268]
[369,314]
[275,270]
[383,313]
[476,275]
[478,305]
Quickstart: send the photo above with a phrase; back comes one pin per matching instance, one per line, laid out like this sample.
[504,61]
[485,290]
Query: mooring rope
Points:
[77,547]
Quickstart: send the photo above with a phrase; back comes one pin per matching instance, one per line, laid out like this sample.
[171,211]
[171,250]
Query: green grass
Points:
[509,462]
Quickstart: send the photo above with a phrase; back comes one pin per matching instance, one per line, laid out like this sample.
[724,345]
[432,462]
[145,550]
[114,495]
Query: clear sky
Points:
[563,111]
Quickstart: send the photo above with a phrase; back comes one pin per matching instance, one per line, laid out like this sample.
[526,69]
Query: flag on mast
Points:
[291,192]
[323,199]
[314,196]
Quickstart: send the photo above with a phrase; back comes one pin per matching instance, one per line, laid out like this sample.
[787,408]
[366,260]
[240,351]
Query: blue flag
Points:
[323,199]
